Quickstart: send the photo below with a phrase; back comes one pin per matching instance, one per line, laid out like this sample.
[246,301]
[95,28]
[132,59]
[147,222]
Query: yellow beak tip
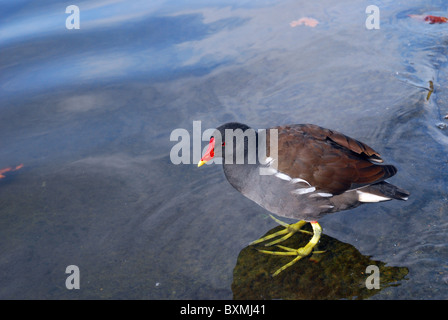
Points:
[201,163]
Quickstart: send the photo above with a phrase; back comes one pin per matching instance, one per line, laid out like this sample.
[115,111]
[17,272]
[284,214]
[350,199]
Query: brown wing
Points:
[341,139]
[328,160]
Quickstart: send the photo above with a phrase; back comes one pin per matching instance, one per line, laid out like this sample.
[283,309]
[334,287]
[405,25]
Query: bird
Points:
[302,172]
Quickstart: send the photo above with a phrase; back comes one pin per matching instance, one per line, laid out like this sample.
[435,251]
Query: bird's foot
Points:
[299,253]
[286,233]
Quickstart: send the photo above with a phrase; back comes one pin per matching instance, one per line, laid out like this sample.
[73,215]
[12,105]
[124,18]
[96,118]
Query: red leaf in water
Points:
[434,19]
[4,170]
[430,19]
[309,22]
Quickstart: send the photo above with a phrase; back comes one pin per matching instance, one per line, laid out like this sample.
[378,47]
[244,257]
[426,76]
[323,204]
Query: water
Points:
[89,114]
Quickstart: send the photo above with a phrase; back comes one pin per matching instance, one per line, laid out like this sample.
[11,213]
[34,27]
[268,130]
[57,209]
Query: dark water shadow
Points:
[339,273]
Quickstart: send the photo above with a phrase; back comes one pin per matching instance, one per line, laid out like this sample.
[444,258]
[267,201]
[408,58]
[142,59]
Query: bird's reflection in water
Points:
[338,273]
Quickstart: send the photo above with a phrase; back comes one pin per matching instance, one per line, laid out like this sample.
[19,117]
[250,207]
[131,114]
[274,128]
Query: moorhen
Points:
[300,171]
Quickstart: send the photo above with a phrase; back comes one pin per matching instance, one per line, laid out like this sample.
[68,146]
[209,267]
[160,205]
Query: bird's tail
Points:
[381,191]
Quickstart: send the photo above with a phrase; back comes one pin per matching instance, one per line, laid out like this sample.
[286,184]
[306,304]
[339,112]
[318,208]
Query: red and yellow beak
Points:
[209,154]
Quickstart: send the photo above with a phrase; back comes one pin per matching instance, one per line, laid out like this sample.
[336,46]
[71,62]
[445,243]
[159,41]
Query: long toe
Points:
[299,253]
[286,233]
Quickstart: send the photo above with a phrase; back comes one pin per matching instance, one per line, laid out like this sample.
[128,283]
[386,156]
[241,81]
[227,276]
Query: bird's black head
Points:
[233,141]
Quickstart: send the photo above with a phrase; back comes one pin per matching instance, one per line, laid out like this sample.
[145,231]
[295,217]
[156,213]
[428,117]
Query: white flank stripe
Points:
[296,180]
[283,176]
[321,194]
[326,206]
[270,171]
[369,197]
[268,160]
[304,190]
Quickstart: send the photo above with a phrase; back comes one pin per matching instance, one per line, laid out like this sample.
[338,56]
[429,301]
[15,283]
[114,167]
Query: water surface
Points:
[89,114]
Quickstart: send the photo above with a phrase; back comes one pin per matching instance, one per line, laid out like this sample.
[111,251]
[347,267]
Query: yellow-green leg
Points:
[301,252]
[289,230]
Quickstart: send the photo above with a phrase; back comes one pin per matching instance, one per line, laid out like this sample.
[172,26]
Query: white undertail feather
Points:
[370,197]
